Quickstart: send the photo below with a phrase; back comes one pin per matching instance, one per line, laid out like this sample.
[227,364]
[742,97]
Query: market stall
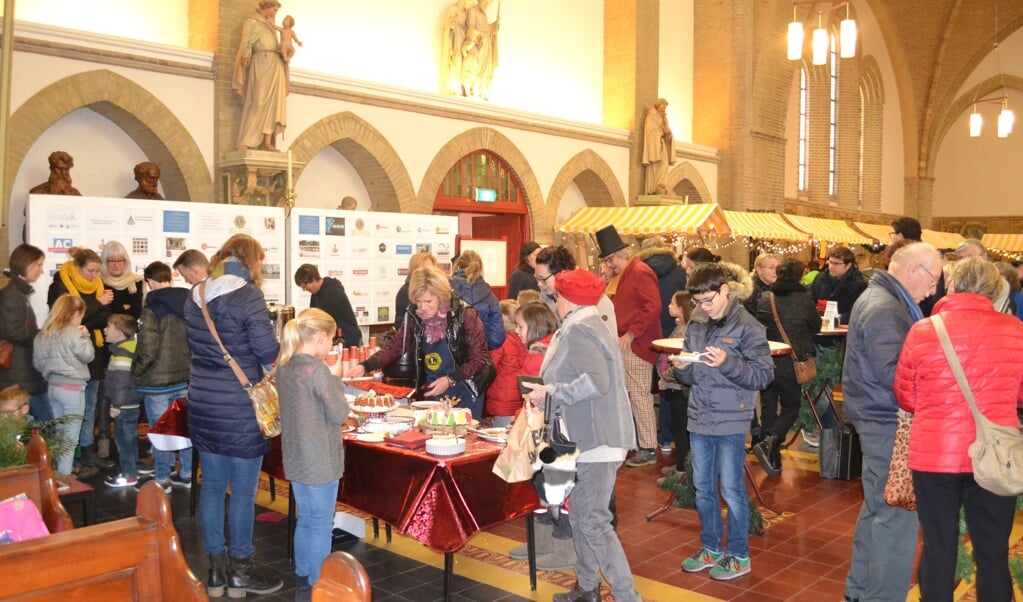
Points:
[1004,244]
[701,218]
[882,233]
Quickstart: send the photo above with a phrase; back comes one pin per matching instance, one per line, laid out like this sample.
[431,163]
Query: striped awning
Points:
[830,230]
[762,225]
[1003,242]
[878,232]
[942,240]
[705,218]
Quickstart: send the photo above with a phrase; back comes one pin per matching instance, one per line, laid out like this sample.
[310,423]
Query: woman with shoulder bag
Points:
[18,325]
[988,344]
[221,421]
[790,317]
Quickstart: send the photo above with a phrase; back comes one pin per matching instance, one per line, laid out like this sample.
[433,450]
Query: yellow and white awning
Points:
[1012,243]
[762,225]
[878,232]
[830,230]
[943,240]
[703,218]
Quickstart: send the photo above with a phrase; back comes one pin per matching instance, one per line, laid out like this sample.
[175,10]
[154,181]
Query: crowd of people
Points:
[116,343]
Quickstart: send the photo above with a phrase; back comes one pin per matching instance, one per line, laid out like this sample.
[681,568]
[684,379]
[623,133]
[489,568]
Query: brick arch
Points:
[588,171]
[467,142]
[964,104]
[184,173]
[374,159]
[686,171]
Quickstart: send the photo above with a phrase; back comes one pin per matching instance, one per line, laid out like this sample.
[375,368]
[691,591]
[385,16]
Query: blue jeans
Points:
[86,436]
[242,475]
[126,436]
[597,546]
[39,407]
[67,402]
[884,545]
[314,527]
[163,461]
[721,457]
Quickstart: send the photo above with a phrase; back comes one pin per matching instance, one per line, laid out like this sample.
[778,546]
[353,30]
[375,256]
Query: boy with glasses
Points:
[734,366]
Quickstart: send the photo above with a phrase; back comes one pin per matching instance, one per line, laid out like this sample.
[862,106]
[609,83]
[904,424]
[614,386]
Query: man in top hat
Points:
[637,309]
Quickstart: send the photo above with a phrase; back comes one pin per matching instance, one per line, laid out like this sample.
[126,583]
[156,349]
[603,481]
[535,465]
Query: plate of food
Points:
[690,356]
[493,435]
[392,425]
[371,403]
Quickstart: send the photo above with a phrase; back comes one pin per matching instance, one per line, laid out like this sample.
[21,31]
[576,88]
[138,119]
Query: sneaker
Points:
[63,481]
[643,457]
[145,470]
[762,451]
[811,439]
[180,481]
[165,485]
[702,559]
[121,481]
[666,449]
[730,567]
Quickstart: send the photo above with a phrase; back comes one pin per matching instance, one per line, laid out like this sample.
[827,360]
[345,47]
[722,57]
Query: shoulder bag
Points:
[997,452]
[515,463]
[806,369]
[262,394]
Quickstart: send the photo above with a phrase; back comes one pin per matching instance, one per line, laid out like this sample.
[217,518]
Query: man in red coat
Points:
[637,305]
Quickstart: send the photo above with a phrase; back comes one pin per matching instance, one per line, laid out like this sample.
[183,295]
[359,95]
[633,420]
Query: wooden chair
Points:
[342,579]
[35,480]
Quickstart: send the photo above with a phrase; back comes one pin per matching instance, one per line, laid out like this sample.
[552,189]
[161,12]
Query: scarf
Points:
[77,286]
[127,280]
[435,328]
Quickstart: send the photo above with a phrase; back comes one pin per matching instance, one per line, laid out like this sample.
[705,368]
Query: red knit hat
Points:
[581,287]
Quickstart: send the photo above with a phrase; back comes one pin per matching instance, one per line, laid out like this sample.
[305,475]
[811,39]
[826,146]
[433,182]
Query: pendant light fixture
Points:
[820,41]
[1006,118]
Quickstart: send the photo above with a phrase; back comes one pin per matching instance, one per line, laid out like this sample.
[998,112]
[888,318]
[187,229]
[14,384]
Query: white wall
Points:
[164,21]
[675,66]
[327,179]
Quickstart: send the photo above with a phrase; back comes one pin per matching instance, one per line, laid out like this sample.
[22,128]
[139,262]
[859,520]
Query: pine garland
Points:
[15,434]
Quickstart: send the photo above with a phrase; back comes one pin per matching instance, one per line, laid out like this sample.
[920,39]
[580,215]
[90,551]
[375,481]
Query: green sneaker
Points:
[729,568]
[703,559]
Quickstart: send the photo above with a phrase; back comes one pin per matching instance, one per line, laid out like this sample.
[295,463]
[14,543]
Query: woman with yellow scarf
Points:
[79,276]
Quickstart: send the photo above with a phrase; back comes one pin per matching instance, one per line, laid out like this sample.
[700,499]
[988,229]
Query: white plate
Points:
[426,405]
[493,435]
[445,450]
[371,437]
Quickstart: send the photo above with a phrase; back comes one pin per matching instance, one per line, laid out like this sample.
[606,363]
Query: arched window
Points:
[478,173]
[802,128]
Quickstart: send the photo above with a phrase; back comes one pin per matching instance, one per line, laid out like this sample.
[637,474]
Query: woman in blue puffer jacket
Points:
[221,421]
[467,280]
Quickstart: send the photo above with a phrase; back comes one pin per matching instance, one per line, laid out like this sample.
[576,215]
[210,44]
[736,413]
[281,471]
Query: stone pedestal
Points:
[255,177]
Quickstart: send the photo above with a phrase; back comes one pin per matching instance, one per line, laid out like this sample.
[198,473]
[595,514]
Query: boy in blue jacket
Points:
[125,400]
[734,364]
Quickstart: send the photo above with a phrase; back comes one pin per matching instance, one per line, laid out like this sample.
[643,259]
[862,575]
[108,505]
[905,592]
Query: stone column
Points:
[631,51]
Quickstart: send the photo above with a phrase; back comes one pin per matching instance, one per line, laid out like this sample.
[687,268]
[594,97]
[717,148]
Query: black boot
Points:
[762,451]
[577,595]
[242,577]
[89,458]
[218,575]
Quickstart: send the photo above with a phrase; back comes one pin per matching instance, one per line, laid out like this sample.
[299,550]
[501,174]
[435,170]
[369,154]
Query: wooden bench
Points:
[342,579]
[35,480]
[136,558]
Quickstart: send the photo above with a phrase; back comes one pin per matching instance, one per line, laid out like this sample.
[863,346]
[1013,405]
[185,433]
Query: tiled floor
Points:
[803,554]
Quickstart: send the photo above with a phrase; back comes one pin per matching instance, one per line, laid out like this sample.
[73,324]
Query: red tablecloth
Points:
[440,502]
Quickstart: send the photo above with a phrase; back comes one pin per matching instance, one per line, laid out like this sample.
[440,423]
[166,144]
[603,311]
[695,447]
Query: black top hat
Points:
[609,241]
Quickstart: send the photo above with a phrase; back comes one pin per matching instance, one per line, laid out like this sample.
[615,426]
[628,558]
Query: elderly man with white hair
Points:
[884,545]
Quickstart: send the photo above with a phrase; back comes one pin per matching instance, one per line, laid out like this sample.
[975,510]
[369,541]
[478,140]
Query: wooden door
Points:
[496,227]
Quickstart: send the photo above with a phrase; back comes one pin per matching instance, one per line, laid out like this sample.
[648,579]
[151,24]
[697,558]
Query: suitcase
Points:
[840,454]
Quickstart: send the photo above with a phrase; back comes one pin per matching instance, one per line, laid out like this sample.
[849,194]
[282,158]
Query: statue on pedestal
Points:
[147,174]
[658,148]
[60,176]
[261,78]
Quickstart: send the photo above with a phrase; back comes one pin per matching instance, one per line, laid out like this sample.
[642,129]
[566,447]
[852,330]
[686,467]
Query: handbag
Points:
[403,371]
[6,351]
[515,462]
[806,369]
[556,442]
[997,452]
[262,394]
[898,491]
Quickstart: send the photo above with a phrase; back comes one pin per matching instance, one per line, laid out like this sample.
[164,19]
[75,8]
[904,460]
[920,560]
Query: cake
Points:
[372,400]
[458,417]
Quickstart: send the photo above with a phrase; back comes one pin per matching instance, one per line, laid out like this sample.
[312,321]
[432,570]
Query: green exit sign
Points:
[485,195]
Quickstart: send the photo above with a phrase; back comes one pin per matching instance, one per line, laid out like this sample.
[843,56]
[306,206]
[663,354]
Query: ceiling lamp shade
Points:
[820,44]
[1006,119]
[976,122]
[795,40]
[847,37]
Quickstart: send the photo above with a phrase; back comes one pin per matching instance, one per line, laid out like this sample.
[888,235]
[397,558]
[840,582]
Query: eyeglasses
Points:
[934,280]
[112,260]
[543,279]
[705,302]
[836,263]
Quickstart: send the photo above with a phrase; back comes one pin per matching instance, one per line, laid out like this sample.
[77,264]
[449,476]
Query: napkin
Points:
[411,439]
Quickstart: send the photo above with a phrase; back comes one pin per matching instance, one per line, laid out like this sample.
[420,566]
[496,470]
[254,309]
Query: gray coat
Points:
[64,356]
[313,408]
[722,399]
[585,377]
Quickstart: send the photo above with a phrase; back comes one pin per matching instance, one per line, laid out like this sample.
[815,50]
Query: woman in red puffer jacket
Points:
[988,345]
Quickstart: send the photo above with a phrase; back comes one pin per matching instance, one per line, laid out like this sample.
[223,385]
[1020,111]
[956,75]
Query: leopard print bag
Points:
[898,491]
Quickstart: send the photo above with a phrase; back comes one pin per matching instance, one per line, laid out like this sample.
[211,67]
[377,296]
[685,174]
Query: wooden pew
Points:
[342,579]
[35,480]
[136,558]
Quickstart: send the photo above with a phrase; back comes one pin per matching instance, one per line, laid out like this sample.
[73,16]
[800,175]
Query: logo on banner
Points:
[403,249]
[334,226]
[61,245]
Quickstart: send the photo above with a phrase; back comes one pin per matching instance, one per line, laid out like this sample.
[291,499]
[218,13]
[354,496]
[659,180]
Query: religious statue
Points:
[147,174]
[60,176]
[348,203]
[451,53]
[475,49]
[484,50]
[658,148]
[261,78]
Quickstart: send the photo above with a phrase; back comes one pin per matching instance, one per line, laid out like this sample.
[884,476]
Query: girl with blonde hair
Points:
[62,353]
[313,409]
